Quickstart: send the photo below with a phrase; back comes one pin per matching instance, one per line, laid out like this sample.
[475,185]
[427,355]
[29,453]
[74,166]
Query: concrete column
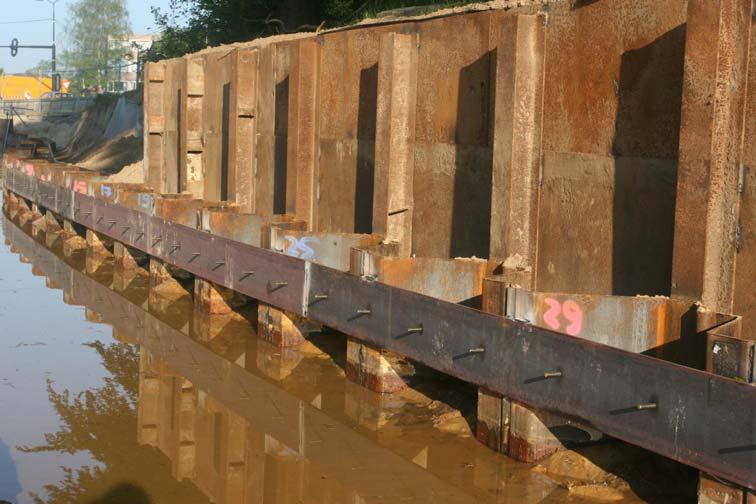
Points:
[395,139]
[275,362]
[72,240]
[492,425]
[302,148]
[214,299]
[9,198]
[242,127]
[127,258]
[163,283]
[280,327]
[371,411]
[28,214]
[373,368]
[52,224]
[98,244]
[94,261]
[39,225]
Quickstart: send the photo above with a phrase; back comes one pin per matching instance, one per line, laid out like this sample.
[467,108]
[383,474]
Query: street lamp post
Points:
[54,62]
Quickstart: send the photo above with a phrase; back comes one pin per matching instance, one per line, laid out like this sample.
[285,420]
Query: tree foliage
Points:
[43,67]
[89,52]
[190,25]
[102,421]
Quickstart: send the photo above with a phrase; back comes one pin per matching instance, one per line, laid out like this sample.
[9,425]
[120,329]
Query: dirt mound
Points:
[90,148]
[107,137]
[110,156]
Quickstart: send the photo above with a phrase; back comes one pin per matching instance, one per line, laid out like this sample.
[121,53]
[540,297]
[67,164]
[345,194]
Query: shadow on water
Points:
[10,487]
[124,493]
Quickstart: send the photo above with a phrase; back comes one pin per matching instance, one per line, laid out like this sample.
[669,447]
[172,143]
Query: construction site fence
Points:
[50,107]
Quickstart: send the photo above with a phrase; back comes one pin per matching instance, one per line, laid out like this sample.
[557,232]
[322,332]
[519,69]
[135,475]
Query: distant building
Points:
[127,69]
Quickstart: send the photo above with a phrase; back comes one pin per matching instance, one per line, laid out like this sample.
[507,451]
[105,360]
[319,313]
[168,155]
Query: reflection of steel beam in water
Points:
[289,421]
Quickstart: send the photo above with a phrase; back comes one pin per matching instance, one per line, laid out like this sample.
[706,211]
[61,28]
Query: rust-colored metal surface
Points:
[329,249]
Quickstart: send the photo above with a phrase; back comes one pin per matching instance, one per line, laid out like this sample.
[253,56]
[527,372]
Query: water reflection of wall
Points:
[210,406]
[218,450]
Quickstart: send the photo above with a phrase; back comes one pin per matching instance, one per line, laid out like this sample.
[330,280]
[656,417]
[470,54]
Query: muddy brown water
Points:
[168,405]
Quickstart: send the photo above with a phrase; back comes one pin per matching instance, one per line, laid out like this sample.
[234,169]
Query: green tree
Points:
[93,48]
[190,25]
[42,68]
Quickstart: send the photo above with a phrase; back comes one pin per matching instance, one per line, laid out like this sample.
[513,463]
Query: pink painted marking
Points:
[569,310]
[551,317]
[574,314]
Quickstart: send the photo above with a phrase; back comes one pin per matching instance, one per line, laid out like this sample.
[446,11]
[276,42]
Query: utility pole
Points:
[55,77]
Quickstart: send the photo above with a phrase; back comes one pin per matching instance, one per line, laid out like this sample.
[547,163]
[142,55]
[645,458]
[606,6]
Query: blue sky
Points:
[40,33]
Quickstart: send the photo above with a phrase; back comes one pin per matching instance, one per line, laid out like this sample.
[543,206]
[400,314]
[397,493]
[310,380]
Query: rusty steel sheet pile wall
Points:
[412,163]
[593,132]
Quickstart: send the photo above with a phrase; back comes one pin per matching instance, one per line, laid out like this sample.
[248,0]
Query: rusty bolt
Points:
[646,406]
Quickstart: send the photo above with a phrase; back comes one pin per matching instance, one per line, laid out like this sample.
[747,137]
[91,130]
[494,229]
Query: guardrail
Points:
[48,107]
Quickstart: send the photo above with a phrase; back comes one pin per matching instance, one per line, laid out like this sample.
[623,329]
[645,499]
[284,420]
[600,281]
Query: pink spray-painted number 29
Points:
[569,310]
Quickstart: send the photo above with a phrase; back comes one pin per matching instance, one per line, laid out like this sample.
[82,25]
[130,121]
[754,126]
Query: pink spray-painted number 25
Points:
[569,310]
